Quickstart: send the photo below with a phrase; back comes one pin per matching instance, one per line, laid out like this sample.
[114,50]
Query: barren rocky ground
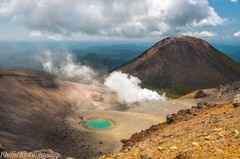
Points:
[183,61]
[39,117]
[44,113]
[205,131]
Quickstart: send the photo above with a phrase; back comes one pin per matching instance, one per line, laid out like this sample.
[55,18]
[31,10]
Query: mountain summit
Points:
[183,61]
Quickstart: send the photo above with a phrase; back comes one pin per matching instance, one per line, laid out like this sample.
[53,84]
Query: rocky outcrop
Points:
[226,91]
[236,101]
[1,150]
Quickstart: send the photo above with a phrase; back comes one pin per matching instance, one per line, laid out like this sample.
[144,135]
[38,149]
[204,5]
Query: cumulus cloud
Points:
[202,34]
[135,18]
[212,20]
[234,1]
[226,36]
[55,37]
[38,34]
[35,34]
[65,67]
[128,89]
[237,34]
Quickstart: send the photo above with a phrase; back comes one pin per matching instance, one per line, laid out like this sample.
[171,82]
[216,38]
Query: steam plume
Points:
[128,89]
[126,86]
[65,67]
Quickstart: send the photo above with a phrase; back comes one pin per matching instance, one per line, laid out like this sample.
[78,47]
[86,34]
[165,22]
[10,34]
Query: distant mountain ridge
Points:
[183,61]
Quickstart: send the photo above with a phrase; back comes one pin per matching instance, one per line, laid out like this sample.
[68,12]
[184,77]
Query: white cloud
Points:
[55,37]
[237,34]
[35,34]
[212,20]
[135,18]
[202,34]
[234,1]
[226,36]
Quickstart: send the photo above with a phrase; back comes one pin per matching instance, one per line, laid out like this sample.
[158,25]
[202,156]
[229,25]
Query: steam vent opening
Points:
[99,124]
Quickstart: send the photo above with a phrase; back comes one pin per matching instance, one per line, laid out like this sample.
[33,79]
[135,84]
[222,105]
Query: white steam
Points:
[126,86]
[65,67]
[128,89]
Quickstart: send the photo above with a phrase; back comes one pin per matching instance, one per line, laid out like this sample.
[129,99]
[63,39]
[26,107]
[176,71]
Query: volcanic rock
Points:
[236,101]
[183,61]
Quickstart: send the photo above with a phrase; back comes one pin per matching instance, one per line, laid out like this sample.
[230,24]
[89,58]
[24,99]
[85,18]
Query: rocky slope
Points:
[205,131]
[40,113]
[223,92]
[185,62]
[35,110]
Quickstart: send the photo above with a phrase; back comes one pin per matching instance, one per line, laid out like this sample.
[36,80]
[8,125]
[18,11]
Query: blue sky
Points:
[231,11]
[213,20]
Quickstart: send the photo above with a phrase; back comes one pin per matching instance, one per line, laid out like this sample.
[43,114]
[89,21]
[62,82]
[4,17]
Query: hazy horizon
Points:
[121,28]
[116,53]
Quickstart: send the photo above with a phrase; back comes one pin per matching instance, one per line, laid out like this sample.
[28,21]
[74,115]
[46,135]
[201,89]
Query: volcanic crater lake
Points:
[99,124]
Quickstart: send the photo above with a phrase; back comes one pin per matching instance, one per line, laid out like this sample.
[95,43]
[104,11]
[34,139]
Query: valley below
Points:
[72,110]
[44,113]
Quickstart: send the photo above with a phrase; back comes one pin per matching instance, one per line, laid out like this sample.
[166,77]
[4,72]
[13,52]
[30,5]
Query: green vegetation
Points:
[151,86]
[235,66]
[175,92]
[101,62]
[172,95]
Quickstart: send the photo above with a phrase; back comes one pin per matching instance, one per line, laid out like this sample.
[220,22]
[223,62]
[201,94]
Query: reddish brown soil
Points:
[206,131]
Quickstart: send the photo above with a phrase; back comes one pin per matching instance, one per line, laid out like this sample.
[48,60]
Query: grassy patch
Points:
[235,66]
[174,92]
[173,95]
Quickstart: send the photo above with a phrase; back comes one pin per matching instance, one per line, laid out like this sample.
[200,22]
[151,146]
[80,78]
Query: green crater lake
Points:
[99,124]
